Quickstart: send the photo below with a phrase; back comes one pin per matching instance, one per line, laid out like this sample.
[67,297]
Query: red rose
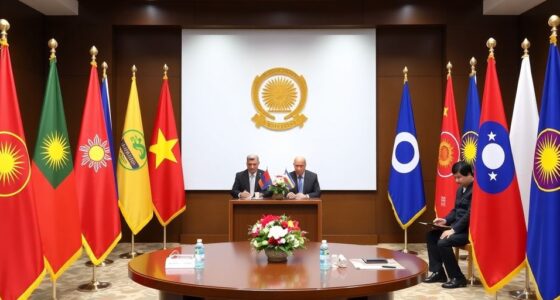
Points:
[284,224]
[268,218]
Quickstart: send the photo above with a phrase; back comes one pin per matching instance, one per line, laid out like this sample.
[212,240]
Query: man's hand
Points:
[291,195]
[439,221]
[244,195]
[301,196]
[447,233]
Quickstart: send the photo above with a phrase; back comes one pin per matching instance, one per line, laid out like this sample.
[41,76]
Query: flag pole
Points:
[164,237]
[54,289]
[94,285]
[132,253]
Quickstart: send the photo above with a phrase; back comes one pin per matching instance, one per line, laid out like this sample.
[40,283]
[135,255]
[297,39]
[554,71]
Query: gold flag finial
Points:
[473,66]
[525,45]
[93,52]
[491,44]
[105,66]
[165,69]
[52,44]
[4,27]
[405,72]
[449,67]
[553,22]
[134,69]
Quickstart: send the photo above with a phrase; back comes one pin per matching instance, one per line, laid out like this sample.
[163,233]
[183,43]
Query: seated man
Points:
[440,243]
[306,182]
[247,182]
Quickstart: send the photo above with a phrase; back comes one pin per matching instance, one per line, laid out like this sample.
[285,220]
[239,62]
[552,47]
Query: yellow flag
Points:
[135,196]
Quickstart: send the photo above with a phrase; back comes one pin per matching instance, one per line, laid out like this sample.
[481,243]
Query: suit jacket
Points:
[241,183]
[458,217]
[310,184]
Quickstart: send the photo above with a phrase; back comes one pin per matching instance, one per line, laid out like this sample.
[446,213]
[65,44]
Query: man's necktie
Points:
[300,184]
[252,184]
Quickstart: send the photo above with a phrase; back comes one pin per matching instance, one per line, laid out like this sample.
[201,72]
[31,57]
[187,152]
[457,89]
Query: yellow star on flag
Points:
[163,149]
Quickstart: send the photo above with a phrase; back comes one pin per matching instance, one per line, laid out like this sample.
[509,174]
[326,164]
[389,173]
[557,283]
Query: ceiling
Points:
[490,7]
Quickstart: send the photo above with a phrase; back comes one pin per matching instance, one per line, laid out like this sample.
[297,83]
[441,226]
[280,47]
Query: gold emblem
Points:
[283,93]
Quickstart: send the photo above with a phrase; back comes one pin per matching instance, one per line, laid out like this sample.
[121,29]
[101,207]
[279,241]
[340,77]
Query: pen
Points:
[388,267]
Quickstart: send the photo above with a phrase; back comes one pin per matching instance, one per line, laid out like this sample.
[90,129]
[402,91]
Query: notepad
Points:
[391,264]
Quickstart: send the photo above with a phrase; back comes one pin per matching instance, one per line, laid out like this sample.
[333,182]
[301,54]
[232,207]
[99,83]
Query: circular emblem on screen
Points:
[15,168]
[132,154]
[546,166]
[279,96]
[494,167]
[468,147]
[405,153]
[448,154]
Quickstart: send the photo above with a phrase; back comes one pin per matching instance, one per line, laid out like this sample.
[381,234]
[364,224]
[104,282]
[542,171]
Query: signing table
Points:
[236,271]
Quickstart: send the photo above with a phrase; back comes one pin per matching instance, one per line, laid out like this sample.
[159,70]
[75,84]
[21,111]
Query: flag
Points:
[95,178]
[164,161]
[406,188]
[497,230]
[289,180]
[265,181]
[54,183]
[544,222]
[469,139]
[106,100]
[135,196]
[448,154]
[22,267]
[523,133]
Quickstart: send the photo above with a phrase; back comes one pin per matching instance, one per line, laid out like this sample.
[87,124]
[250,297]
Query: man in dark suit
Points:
[441,242]
[246,182]
[306,182]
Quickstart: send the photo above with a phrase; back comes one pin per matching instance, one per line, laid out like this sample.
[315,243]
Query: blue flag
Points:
[543,237]
[469,139]
[406,187]
[107,114]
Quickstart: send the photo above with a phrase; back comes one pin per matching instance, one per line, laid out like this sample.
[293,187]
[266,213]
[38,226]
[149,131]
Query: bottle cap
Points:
[324,241]
[199,240]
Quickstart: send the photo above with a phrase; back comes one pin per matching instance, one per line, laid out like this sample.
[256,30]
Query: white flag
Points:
[523,134]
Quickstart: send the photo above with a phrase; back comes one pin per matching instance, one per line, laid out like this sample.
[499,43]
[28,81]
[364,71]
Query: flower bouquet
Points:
[279,188]
[279,236]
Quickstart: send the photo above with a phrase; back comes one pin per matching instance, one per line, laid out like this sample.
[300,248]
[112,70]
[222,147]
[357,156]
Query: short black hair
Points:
[462,168]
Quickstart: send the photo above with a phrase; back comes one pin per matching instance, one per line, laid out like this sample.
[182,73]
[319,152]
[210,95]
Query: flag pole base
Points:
[408,251]
[94,286]
[102,264]
[129,255]
[523,294]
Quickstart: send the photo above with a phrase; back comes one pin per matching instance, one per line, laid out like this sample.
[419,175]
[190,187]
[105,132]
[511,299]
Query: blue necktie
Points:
[300,184]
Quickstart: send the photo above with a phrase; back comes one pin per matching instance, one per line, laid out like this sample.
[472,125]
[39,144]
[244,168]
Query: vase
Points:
[277,196]
[276,256]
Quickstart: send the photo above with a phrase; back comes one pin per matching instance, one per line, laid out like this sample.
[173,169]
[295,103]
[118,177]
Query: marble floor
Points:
[124,288]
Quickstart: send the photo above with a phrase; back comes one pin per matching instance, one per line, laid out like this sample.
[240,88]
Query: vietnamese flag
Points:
[449,152]
[22,267]
[95,177]
[54,183]
[497,224]
[164,161]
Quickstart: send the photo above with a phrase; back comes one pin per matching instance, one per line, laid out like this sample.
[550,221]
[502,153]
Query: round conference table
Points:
[236,271]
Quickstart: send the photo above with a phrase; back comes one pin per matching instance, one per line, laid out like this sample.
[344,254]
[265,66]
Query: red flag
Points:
[95,178]
[164,162]
[22,267]
[449,152]
[497,224]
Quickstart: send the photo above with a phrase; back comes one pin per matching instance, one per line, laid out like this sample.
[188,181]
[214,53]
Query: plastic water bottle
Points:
[324,256]
[199,254]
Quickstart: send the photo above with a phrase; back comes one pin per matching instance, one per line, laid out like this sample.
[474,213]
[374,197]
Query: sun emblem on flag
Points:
[14,164]
[468,149]
[447,155]
[56,150]
[96,153]
[546,170]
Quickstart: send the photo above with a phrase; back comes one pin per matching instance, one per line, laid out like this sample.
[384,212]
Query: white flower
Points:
[277,232]
[282,241]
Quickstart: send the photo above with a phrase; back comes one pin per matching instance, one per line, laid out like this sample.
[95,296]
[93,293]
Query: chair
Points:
[470,270]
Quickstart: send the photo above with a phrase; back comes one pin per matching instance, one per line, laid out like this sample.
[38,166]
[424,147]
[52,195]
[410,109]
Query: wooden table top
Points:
[236,271]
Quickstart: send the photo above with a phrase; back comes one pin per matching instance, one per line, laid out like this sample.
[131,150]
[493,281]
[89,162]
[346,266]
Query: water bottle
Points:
[324,256]
[199,254]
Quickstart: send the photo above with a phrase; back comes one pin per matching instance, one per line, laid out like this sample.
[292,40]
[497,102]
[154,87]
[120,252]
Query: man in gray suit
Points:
[306,182]
[247,182]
